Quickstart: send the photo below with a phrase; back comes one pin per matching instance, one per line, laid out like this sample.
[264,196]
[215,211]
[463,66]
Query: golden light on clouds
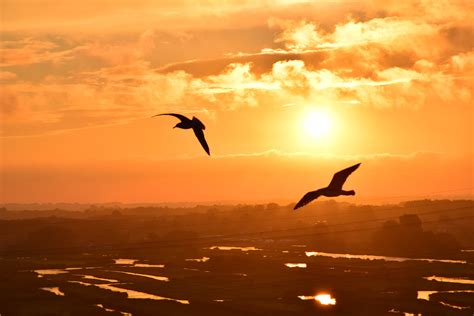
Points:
[341,78]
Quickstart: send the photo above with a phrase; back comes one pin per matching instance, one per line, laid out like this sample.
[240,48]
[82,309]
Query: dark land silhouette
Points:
[194,123]
[199,250]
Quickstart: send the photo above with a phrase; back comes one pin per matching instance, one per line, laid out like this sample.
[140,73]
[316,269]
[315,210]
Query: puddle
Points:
[154,277]
[454,306]
[234,248]
[91,277]
[131,294]
[112,310]
[54,290]
[133,262]
[125,261]
[449,280]
[44,272]
[373,257]
[425,295]
[404,313]
[146,265]
[323,299]
[81,283]
[203,259]
[81,268]
[296,265]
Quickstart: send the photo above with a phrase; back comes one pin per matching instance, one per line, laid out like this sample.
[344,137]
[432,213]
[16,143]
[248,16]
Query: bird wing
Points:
[198,123]
[200,136]
[340,177]
[307,198]
[182,118]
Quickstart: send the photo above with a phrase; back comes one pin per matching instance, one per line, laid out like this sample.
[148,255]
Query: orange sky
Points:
[80,80]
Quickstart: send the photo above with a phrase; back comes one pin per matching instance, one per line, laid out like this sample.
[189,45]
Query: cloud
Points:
[439,11]
[395,59]
[127,15]
[301,35]
[31,51]
[122,93]
[461,64]
[7,75]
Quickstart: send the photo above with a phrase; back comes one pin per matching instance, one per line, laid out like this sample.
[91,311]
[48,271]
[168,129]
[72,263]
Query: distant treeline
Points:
[435,228]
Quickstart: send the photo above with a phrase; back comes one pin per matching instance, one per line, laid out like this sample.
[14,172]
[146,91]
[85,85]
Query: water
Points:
[112,310]
[132,262]
[146,265]
[154,277]
[80,268]
[373,257]
[81,283]
[296,265]
[324,299]
[449,280]
[131,294]
[234,248]
[91,277]
[125,261]
[43,272]
[454,306]
[54,290]
[203,259]
[404,313]
[425,295]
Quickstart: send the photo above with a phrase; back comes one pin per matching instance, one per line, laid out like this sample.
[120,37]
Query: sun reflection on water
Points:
[296,265]
[323,299]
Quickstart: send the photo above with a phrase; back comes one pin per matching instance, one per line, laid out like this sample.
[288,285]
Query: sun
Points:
[317,123]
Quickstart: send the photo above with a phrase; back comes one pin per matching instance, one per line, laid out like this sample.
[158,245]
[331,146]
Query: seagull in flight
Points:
[197,126]
[333,189]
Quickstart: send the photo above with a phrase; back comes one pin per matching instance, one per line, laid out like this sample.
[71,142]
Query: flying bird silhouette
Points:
[197,126]
[333,189]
